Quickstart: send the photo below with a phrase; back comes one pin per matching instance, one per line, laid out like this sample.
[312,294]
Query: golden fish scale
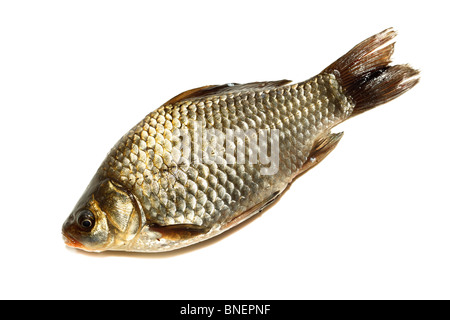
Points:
[175,190]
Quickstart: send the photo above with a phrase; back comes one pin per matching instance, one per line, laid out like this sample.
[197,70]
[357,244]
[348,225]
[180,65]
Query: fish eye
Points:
[86,220]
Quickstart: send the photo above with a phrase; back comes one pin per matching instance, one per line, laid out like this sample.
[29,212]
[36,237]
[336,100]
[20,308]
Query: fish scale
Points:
[290,109]
[212,157]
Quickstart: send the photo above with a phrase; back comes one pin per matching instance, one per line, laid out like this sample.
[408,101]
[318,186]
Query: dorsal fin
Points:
[213,90]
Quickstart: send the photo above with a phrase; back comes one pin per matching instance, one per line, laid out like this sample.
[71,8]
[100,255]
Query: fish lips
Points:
[69,240]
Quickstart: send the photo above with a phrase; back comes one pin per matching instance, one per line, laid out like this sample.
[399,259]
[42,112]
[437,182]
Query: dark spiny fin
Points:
[216,90]
[367,77]
[321,148]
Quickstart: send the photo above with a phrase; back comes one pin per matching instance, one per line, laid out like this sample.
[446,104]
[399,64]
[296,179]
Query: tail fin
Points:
[366,75]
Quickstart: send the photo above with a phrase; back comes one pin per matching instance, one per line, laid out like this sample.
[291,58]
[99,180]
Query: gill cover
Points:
[120,208]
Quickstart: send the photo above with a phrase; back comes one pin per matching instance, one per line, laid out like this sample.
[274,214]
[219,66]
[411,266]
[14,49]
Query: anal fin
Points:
[321,148]
[253,210]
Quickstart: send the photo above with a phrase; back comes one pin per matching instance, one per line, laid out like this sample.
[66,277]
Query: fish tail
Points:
[367,77]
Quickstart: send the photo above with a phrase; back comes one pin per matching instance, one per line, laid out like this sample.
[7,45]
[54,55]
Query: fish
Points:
[212,157]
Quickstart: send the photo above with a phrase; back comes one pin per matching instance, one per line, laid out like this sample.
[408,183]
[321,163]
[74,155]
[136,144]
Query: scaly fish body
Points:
[200,164]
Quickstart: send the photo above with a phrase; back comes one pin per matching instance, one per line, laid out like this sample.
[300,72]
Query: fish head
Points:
[107,217]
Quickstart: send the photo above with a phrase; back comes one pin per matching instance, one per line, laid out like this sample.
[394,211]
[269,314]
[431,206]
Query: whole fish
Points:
[212,157]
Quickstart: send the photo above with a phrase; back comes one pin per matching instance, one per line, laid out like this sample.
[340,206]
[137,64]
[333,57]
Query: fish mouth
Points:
[71,242]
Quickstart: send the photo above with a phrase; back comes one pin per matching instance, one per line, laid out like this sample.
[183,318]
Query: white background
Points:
[370,222]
